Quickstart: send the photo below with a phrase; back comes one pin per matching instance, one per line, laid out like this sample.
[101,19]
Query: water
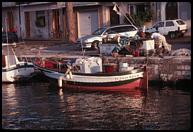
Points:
[41,106]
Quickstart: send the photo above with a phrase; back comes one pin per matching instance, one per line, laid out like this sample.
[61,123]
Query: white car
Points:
[172,28]
[96,38]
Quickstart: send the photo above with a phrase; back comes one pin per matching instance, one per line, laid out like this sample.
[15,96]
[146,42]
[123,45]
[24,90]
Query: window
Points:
[161,24]
[156,25]
[123,29]
[140,8]
[130,28]
[40,19]
[171,4]
[109,31]
[131,9]
[115,30]
[169,23]
[99,31]
[180,22]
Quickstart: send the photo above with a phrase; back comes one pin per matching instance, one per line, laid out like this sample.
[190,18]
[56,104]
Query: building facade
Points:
[47,20]
[174,10]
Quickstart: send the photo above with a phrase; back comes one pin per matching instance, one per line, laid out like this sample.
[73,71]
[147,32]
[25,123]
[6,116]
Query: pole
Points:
[145,79]
[20,21]
[82,47]
[6,30]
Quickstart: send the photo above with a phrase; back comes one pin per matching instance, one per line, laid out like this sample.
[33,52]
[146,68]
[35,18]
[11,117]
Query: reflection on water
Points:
[41,106]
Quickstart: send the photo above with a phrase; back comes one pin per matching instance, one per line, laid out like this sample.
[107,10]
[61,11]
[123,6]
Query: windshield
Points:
[180,22]
[99,31]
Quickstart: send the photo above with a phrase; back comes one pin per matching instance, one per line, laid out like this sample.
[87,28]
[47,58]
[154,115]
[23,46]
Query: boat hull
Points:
[100,86]
[16,73]
[99,82]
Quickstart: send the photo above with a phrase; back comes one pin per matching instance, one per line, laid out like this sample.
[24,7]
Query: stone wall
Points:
[169,68]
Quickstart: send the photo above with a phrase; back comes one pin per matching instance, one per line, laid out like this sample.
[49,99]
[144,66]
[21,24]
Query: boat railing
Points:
[51,64]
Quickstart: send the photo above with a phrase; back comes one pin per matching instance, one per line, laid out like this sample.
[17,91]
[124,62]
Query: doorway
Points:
[10,21]
[88,22]
[55,24]
[171,10]
[114,17]
[27,24]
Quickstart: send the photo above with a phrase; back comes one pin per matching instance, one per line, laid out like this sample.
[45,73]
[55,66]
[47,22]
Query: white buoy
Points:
[70,75]
[60,81]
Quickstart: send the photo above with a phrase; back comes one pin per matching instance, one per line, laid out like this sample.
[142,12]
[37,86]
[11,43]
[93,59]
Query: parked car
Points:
[172,28]
[12,37]
[96,38]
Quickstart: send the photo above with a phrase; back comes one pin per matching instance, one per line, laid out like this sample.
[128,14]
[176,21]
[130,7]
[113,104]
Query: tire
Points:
[95,44]
[182,35]
[172,35]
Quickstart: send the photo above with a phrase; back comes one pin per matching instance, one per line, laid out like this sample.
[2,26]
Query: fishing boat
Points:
[14,70]
[89,73]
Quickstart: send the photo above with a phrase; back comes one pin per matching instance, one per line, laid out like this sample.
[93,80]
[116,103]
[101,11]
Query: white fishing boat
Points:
[12,69]
[88,73]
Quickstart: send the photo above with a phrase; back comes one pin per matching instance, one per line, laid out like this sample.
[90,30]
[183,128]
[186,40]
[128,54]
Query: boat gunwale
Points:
[15,67]
[94,84]
[94,74]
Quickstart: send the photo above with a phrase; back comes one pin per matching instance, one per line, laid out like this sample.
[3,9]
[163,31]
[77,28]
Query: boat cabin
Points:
[88,65]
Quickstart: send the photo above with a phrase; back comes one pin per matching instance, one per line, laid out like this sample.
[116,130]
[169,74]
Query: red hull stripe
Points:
[137,83]
[103,84]
[128,86]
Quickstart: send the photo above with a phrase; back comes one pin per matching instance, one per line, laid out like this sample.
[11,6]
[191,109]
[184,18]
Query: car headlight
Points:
[87,41]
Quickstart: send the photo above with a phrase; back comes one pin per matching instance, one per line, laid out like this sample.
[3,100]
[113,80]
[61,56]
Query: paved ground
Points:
[59,48]
[185,39]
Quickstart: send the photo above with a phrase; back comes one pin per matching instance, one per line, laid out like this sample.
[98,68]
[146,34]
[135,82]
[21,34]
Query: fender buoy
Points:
[60,81]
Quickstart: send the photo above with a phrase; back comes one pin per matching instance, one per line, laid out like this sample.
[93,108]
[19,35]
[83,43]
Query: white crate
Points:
[148,45]
[89,65]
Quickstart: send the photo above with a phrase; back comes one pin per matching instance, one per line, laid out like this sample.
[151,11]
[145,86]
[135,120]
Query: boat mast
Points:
[6,30]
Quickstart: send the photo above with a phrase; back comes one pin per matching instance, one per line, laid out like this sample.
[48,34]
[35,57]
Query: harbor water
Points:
[41,106]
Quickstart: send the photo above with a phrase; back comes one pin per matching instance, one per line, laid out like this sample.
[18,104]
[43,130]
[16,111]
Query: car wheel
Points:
[95,44]
[181,35]
[172,35]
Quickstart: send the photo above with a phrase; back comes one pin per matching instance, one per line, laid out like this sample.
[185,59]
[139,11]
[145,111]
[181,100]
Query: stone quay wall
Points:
[169,68]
